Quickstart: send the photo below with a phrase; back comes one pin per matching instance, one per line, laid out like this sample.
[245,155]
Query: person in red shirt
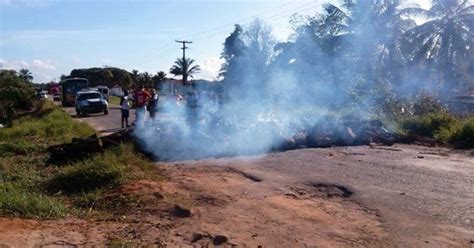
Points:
[141,100]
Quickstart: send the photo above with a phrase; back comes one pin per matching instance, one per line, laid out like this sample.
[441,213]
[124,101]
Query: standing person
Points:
[152,104]
[141,99]
[125,109]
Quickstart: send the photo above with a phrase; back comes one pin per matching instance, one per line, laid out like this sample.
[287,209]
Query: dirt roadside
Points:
[226,209]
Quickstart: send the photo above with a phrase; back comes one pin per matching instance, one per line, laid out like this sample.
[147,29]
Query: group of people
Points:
[142,100]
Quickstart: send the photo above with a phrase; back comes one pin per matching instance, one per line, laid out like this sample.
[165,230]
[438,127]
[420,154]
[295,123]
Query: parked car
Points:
[41,95]
[88,102]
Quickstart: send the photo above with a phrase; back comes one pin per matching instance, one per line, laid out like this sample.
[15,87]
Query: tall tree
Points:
[233,47]
[26,75]
[145,79]
[184,68]
[444,44]
[158,79]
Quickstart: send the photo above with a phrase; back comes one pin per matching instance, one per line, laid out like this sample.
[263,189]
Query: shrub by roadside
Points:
[441,126]
[464,135]
[16,95]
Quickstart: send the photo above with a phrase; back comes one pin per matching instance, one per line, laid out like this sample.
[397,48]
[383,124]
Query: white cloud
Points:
[42,65]
[210,68]
[42,70]
[24,64]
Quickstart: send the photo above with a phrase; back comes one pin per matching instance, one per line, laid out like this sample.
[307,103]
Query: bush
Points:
[16,95]
[464,136]
[441,126]
[434,125]
[426,104]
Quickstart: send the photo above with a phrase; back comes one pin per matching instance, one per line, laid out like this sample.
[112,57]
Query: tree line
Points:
[360,54]
[109,76]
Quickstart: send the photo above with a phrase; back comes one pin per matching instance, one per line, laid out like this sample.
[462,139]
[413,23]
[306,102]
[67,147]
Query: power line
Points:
[225,28]
[240,20]
[277,16]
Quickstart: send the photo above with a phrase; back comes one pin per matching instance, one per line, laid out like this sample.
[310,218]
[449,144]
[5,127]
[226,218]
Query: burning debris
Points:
[214,135]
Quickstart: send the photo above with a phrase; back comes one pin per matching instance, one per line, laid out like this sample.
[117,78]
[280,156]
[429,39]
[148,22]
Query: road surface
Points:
[423,196]
[104,123]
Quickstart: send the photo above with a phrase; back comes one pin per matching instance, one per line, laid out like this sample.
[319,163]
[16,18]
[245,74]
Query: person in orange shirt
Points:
[142,98]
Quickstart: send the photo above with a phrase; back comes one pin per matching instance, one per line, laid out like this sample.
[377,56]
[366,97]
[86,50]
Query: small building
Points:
[171,86]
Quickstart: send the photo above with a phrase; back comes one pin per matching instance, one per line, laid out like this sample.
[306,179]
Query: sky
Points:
[52,37]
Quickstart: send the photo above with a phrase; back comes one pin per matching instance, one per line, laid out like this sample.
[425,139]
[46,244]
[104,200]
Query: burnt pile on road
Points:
[350,133]
[210,137]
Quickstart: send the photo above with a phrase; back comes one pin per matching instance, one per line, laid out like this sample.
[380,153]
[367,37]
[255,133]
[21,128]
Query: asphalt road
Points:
[104,123]
[424,196]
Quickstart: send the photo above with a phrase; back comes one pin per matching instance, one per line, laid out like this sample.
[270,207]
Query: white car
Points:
[90,102]
[41,95]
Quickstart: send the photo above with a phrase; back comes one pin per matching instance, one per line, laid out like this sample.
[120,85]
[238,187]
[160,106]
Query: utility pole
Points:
[185,67]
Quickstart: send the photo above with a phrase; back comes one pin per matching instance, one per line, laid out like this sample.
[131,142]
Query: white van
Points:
[104,90]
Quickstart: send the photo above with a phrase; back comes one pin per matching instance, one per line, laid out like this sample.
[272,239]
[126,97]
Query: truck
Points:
[70,87]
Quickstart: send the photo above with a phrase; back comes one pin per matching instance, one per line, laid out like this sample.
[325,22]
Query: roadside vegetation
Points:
[31,187]
[429,118]
[114,100]
[16,94]
[442,127]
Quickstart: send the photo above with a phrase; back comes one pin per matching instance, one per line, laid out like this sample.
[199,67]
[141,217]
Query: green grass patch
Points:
[114,100]
[50,125]
[29,184]
[20,203]
[121,243]
[103,171]
[20,147]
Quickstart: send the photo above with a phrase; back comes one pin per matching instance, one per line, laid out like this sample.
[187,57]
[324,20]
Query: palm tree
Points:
[444,43]
[26,75]
[159,78]
[184,68]
[145,79]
